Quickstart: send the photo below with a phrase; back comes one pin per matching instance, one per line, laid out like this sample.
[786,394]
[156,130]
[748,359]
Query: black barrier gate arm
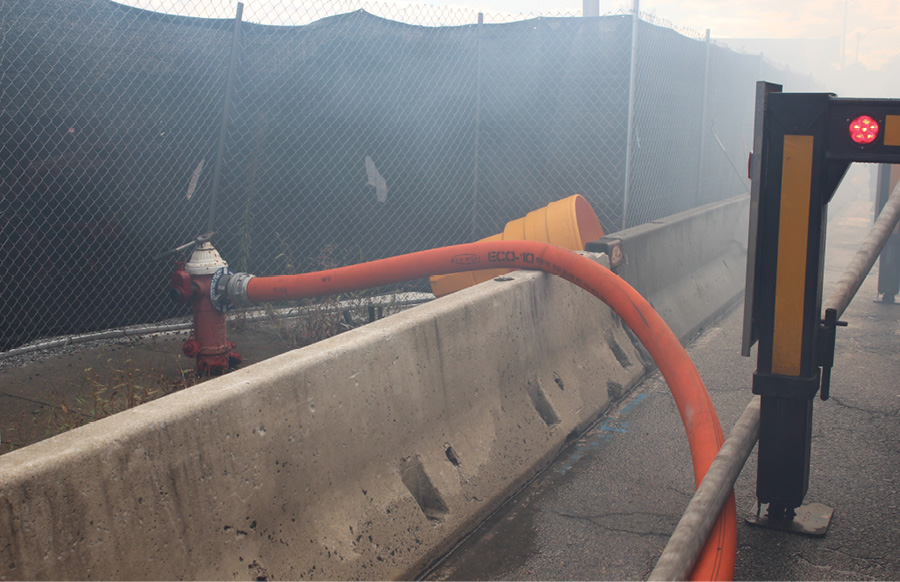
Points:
[803,146]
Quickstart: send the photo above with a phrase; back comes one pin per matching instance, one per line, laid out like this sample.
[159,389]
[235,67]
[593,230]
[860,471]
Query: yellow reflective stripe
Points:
[793,235]
[892,130]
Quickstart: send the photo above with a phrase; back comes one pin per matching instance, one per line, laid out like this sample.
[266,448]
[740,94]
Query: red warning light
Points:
[863,129]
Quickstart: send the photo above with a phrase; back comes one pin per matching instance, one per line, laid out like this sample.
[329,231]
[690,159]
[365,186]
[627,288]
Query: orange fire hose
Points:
[701,423]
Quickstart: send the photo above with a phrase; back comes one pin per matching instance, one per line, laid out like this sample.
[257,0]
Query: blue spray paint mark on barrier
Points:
[600,434]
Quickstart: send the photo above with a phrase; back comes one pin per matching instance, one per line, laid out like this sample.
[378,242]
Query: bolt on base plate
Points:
[811,520]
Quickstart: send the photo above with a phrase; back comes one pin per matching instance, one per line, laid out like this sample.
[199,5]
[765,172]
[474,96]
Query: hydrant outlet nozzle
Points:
[231,288]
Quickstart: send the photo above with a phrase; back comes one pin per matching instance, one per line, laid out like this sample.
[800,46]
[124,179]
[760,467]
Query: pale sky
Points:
[872,26]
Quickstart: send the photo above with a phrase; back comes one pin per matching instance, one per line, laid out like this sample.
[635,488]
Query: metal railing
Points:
[684,546]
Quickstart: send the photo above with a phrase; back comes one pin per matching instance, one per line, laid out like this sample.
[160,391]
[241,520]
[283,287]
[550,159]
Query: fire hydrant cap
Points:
[205,260]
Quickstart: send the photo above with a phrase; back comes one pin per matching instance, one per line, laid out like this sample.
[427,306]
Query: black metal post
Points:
[791,242]
[226,113]
[476,162]
[803,145]
[889,261]
[704,107]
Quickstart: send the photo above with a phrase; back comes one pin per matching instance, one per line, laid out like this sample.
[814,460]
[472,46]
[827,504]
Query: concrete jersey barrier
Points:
[367,455]
[689,266]
[360,457]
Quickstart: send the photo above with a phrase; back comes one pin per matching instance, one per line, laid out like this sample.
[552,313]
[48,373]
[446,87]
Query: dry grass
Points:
[105,389]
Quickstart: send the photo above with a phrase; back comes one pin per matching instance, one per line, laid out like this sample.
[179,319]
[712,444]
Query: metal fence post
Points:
[473,232]
[629,159]
[703,125]
[226,113]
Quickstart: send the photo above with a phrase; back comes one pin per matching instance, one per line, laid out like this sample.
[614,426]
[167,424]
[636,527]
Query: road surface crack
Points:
[874,413]
[598,521]
[834,572]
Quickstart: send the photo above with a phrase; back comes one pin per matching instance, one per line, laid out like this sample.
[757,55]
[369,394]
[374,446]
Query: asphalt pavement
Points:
[605,508]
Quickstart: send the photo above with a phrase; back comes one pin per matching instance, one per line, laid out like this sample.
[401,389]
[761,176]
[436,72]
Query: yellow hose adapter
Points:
[569,223]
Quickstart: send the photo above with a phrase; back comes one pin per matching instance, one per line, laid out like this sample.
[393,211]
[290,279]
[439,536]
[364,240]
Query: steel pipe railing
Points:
[680,553]
[678,557]
[859,267]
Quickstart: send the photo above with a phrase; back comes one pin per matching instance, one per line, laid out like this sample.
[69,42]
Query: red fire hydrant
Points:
[192,282]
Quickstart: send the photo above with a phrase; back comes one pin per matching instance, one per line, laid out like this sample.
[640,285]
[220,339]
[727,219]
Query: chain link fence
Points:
[348,137]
